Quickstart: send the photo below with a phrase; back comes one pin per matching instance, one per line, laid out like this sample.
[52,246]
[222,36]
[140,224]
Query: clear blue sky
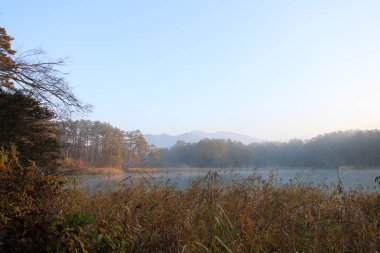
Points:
[270,69]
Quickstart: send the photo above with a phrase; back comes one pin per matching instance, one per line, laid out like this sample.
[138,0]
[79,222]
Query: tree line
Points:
[355,147]
[97,144]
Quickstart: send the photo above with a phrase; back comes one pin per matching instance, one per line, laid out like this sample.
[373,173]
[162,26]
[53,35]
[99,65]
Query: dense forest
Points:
[359,148]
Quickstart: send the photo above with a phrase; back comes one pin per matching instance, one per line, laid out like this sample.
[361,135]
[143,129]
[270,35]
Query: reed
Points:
[248,216]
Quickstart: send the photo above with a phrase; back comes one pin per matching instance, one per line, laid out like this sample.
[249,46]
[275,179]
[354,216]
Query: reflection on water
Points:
[351,178]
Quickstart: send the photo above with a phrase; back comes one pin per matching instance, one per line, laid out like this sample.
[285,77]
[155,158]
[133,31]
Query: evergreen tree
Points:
[26,123]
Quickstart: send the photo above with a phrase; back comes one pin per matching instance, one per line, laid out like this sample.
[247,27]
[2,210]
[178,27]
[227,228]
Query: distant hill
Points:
[165,140]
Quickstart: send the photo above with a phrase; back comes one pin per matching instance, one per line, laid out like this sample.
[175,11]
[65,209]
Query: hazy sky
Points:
[270,69]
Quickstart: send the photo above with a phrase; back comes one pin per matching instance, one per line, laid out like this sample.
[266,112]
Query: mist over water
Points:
[328,178]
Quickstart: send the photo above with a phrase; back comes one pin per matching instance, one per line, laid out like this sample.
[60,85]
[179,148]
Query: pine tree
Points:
[26,123]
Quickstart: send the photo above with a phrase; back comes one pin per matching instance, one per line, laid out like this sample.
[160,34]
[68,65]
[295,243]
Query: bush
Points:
[32,213]
[27,200]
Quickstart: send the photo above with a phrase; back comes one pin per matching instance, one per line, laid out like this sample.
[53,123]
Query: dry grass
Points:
[250,216]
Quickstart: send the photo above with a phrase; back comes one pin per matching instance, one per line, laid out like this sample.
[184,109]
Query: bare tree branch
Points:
[31,73]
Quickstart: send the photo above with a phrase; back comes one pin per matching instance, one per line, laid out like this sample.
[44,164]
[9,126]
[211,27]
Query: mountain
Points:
[165,140]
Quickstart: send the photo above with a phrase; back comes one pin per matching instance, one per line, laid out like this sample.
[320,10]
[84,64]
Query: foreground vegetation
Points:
[41,214]
[245,217]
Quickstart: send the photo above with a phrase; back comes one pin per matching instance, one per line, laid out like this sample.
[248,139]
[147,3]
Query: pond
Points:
[351,178]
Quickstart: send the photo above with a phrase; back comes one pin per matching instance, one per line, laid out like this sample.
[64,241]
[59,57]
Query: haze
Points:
[273,70]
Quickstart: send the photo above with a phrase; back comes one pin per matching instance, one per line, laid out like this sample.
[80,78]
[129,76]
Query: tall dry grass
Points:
[248,216]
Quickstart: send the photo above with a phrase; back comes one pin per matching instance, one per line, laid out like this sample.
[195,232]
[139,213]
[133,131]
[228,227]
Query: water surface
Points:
[351,178]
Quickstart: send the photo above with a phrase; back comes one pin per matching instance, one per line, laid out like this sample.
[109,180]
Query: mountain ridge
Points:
[165,140]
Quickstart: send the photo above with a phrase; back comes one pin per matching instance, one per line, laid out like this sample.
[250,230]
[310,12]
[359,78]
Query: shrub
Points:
[27,200]
[33,217]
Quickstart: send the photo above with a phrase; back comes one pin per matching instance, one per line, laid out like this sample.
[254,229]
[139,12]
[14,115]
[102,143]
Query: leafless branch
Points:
[44,80]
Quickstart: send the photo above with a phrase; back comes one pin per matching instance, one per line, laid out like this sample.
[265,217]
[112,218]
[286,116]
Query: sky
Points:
[274,70]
